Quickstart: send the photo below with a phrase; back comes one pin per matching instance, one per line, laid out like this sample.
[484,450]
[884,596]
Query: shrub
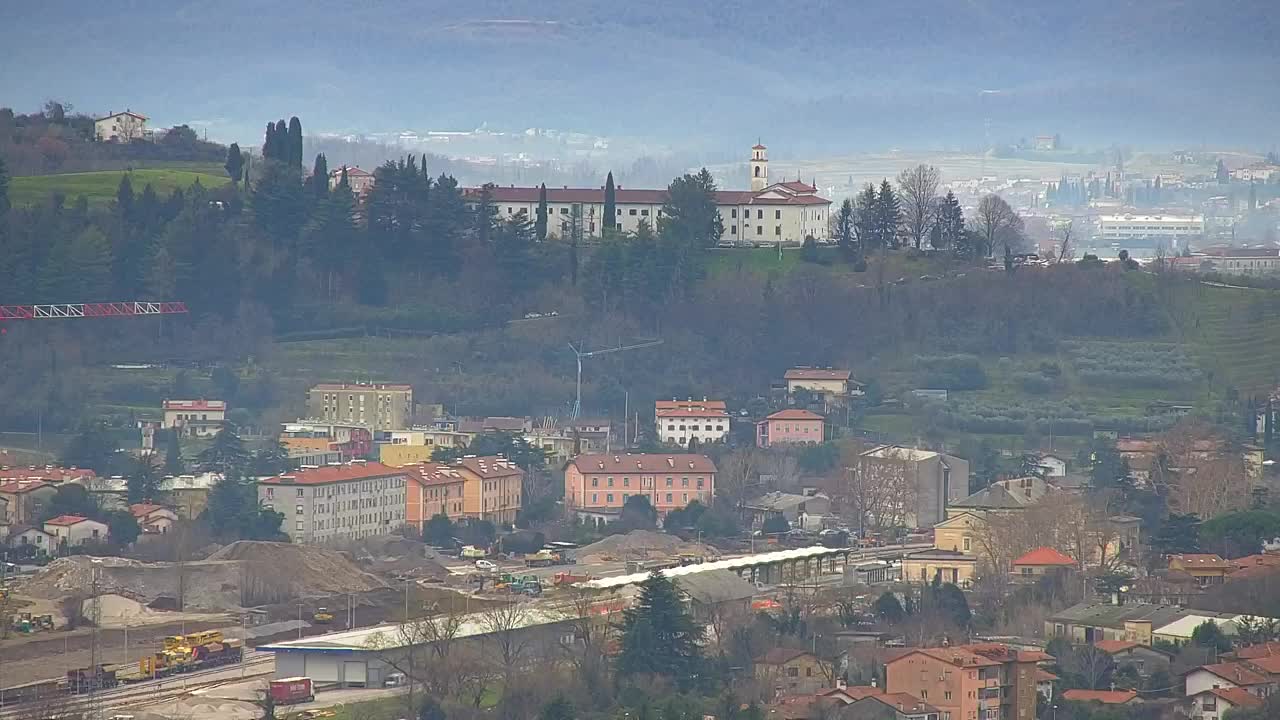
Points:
[952,372]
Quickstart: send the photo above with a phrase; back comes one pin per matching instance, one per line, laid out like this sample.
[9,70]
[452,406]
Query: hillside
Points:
[100,187]
[1054,65]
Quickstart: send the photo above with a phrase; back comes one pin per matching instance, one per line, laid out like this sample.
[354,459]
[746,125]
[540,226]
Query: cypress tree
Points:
[888,215]
[295,142]
[4,191]
[281,149]
[269,143]
[124,198]
[610,206]
[320,177]
[235,163]
[540,222]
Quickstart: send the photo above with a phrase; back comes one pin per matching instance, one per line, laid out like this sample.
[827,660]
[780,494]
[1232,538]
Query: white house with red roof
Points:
[153,519]
[1041,561]
[72,530]
[679,421]
[342,502]
[785,212]
[1213,703]
[195,418]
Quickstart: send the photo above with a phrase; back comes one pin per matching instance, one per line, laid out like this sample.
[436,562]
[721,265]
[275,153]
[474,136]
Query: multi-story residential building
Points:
[679,421]
[598,485]
[195,418]
[493,488]
[793,426]
[378,406]
[985,681]
[1205,568]
[946,566]
[820,381]
[434,489]
[786,212]
[120,127]
[1214,703]
[924,482]
[889,706]
[1171,229]
[351,440]
[360,181]
[338,502]
[24,499]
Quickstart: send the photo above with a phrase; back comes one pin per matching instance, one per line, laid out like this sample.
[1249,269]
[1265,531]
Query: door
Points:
[354,673]
[321,668]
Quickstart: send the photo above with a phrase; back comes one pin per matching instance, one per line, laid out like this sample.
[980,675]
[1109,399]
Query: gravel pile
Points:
[640,545]
[275,572]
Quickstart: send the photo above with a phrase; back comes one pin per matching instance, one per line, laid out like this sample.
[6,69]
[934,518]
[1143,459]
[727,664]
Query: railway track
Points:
[151,692]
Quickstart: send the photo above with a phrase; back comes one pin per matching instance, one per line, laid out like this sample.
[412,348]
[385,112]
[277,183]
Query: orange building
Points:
[969,682]
[599,485]
[434,489]
[493,488]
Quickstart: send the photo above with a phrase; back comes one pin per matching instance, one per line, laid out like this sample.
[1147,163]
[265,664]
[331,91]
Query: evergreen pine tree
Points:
[658,635]
[864,227]
[124,199]
[281,151]
[88,267]
[486,216]
[540,221]
[143,481]
[173,464]
[4,193]
[226,455]
[235,163]
[1223,175]
[845,220]
[610,206]
[295,143]
[888,215]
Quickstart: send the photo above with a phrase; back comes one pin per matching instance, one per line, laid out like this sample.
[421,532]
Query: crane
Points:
[89,310]
[577,400]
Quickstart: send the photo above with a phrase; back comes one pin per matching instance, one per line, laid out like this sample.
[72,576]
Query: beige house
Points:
[493,488]
[72,530]
[120,127]
[958,533]
[785,212]
[24,498]
[944,565]
[792,672]
[153,519]
[378,406]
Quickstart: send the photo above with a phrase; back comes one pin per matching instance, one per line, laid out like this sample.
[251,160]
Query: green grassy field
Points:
[100,187]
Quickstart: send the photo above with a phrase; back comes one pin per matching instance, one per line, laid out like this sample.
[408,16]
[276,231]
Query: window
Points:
[564,211]
[626,482]
[619,212]
[759,214]
[595,482]
[733,213]
[594,498]
[777,230]
[968,544]
[733,229]
[632,211]
[777,214]
[645,213]
[669,500]
[610,482]
[759,229]
[924,694]
[793,672]
[299,492]
[608,498]
[669,481]
[946,695]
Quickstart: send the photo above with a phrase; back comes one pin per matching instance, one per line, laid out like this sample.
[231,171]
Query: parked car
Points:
[487,565]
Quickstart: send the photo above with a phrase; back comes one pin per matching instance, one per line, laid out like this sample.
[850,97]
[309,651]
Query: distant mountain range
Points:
[812,76]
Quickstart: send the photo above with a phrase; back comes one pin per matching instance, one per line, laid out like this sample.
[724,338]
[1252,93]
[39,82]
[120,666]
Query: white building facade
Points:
[1121,228]
[120,127]
[337,502]
[785,212]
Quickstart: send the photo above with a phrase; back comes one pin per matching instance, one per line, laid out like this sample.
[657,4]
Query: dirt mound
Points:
[395,556]
[117,611]
[205,585]
[641,545]
[274,572]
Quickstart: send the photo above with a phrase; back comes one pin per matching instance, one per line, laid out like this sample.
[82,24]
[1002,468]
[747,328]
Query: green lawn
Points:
[100,187]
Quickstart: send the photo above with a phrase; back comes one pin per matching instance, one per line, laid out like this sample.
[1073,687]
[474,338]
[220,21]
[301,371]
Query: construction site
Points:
[81,611]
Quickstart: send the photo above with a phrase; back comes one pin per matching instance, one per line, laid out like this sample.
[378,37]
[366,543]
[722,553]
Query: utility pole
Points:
[580,354]
[95,711]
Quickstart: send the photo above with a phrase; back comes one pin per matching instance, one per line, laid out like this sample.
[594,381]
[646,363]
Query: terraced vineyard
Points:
[1234,334]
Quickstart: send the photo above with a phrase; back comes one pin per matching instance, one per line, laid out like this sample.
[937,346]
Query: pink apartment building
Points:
[598,485]
[790,427]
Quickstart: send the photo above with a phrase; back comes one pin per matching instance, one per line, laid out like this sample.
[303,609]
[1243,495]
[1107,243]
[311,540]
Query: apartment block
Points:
[338,502]
[377,406]
[985,681]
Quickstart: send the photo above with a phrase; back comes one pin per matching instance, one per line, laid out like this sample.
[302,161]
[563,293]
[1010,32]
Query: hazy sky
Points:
[822,75]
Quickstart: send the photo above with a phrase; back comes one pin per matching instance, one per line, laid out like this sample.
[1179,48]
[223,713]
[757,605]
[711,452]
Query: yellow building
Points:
[957,533]
[945,565]
[401,455]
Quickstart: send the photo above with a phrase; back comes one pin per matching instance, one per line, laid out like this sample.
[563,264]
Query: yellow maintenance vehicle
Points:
[322,616]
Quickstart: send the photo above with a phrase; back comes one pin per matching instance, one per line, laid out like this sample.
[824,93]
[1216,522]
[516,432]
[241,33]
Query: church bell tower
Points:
[759,168]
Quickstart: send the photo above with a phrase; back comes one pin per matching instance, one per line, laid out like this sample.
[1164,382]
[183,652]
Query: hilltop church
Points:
[785,212]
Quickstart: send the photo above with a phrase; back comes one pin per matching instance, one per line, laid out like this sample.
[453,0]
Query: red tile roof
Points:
[361,386]
[853,692]
[490,466]
[1044,556]
[433,473]
[55,473]
[632,197]
[1238,697]
[14,487]
[1235,672]
[795,414]
[66,520]
[816,374]
[638,462]
[686,404]
[141,510]
[1261,650]
[1004,653]
[956,656]
[690,413]
[215,405]
[1107,697]
[905,703]
[334,473]
[1043,675]
[1200,560]
[352,171]
[1111,647]
[1269,664]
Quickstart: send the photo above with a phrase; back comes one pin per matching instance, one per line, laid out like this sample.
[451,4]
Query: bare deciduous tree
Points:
[918,190]
[1066,236]
[739,476]
[880,490]
[997,223]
